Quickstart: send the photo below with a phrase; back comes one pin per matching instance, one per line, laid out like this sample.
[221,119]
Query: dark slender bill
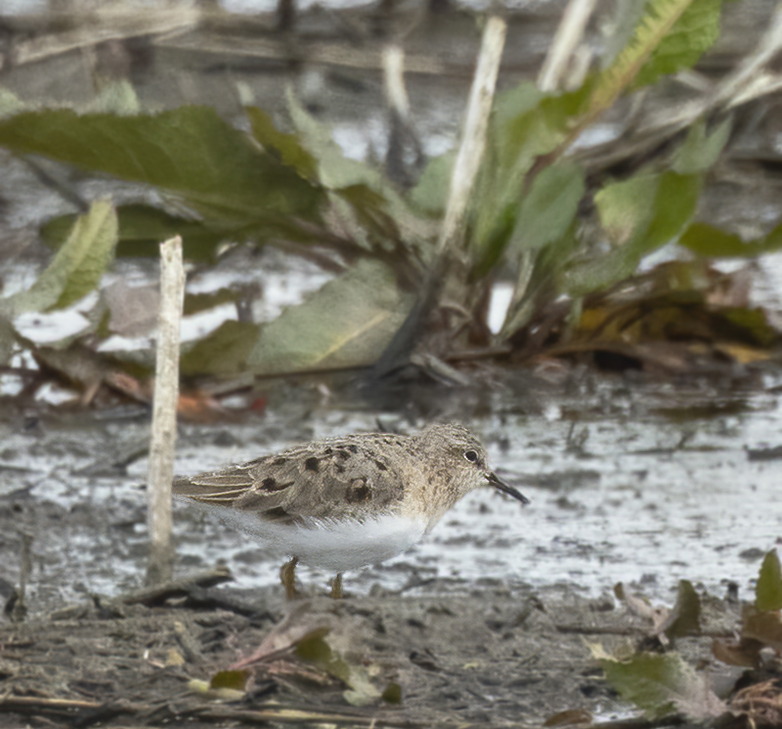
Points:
[495,481]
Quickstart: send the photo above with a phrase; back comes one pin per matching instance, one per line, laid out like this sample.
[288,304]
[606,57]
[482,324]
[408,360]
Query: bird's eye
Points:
[471,456]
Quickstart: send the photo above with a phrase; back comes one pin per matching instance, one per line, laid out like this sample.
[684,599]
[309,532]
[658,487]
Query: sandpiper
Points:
[348,502]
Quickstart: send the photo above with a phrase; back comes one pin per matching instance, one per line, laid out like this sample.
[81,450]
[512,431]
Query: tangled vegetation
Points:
[570,238]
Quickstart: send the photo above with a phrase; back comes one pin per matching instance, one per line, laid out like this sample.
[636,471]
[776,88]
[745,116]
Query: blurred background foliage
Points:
[570,234]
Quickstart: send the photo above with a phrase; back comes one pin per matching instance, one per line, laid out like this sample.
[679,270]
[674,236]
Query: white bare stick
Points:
[566,40]
[394,80]
[163,438]
[473,144]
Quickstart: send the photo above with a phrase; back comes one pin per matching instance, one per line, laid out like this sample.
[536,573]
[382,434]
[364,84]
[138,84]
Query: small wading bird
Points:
[348,502]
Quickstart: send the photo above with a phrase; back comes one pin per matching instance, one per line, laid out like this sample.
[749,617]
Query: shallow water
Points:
[629,481]
[644,486]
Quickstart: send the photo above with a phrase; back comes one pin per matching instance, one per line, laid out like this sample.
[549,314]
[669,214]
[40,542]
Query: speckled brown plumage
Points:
[338,483]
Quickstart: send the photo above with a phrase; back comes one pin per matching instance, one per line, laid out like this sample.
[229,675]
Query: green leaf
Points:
[335,171]
[286,146]
[430,195]
[750,325]
[392,694]
[315,649]
[639,215]
[626,208]
[660,684]
[549,207]
[525,126]
[701,149]
[660,16]
[711,242]
[189,151]
[225,351]
[7,341]
[693,33]
[77,267]
[347,323]
[117,97]
[236,680]
[10,103]
[537,277]
[142,228]
[685,618]
[768,593]
[369,209]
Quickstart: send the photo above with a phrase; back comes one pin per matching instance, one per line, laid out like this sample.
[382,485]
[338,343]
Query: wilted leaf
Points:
[189,151]
[316,650]
[768,593]
[224,351]
[77,267]
[346,323]
[764,626]
[660,684]
[174,658]
[744,652]
[199,407]
[569,717]
[685,618]
[741,353]
[711,242]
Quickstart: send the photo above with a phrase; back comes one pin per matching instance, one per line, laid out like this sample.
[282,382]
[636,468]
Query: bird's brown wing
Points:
[329,480]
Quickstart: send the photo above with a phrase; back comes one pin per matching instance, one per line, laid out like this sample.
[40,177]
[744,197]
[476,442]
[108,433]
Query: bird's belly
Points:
[330,544]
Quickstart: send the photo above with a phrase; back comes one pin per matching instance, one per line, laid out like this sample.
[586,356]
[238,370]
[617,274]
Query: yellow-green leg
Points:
[288,578]
[336,587]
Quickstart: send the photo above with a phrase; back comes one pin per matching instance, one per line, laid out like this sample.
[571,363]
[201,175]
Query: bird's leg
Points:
[288,578]
[336,587]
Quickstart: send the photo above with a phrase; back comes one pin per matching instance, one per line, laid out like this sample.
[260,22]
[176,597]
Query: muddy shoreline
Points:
[489,656]
[482,625]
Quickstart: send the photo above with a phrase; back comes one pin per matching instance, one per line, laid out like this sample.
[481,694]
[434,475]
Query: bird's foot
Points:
[336,587]
[288,579]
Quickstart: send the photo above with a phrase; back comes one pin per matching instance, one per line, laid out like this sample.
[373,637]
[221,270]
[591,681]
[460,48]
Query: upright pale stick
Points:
[463,176]
[566,40]
[470,154]
[163,437]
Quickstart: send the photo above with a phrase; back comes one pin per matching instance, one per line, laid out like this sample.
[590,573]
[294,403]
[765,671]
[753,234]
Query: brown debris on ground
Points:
[492,657]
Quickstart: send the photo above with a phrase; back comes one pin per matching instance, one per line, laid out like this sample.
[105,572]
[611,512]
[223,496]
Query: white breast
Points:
[330,544]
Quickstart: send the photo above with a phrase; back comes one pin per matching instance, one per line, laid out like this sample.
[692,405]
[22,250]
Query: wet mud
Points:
[482,624]
[489,656]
